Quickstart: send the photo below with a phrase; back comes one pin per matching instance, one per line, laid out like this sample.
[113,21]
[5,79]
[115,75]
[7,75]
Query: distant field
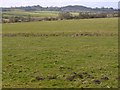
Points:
[61,54]
[85,25]
[41,14]
[32,13]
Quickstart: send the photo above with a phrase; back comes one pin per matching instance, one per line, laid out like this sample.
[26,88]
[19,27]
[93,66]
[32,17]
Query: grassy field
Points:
[32,13]
[108,25]
[41,14]
[61,54]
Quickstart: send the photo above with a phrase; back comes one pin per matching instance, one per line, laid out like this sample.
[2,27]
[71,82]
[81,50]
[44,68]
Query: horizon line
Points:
[54,6]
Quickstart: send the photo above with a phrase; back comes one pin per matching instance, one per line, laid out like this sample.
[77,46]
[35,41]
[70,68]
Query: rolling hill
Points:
[69,8]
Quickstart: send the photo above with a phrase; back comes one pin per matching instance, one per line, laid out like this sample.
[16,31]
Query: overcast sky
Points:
[45,3]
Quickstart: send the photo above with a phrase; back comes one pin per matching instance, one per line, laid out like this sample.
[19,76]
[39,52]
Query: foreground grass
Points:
[61,61]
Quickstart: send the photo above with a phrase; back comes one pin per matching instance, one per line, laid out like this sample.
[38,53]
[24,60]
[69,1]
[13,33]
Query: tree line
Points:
[61,16]
[86,15]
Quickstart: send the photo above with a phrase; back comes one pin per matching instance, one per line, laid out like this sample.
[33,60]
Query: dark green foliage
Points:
[65,15]
[92,15]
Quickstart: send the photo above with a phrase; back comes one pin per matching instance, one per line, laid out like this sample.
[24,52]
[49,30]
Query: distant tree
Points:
[111,8]
[102,15]
[86,15]
[12,19]
[29,18]
[83,15]
[102,7]
[65,15]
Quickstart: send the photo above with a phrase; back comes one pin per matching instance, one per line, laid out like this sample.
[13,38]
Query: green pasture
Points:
[61,54]
[32,13]
[41,14]
[83,25]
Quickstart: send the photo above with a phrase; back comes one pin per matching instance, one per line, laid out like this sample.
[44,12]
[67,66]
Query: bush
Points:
[92,15]
[65,15]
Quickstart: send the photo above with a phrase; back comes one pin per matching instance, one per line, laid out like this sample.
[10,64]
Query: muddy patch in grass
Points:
[70,34]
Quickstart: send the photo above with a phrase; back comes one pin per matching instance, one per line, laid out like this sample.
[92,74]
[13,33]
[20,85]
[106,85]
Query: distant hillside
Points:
[70,8]
[76,8]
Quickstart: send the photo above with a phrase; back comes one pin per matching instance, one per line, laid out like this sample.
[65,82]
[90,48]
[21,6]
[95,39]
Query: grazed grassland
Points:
[32,13]
[40,14]
[61,54]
